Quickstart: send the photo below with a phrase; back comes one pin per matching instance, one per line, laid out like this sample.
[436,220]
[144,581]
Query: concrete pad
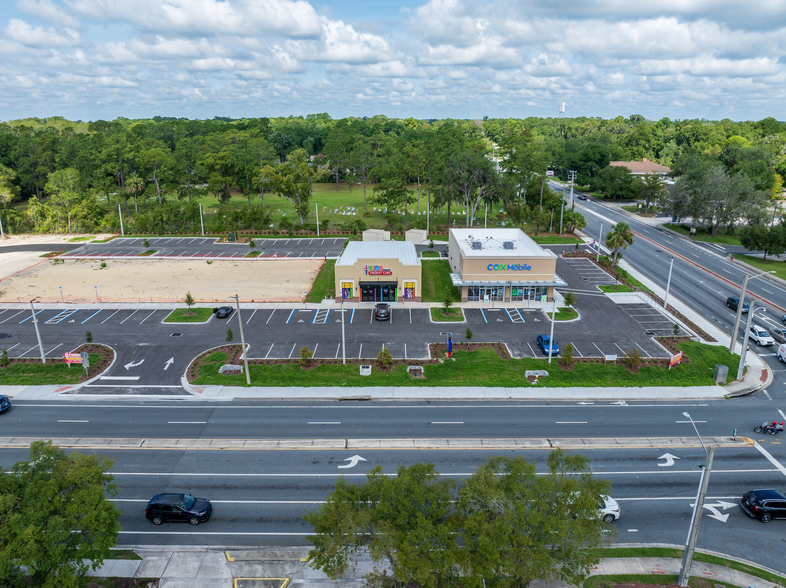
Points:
[180,583]
[152,566]
[183,565]
[215,566]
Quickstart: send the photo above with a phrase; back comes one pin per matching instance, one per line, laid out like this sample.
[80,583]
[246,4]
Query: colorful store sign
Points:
[377,270]
[513,267]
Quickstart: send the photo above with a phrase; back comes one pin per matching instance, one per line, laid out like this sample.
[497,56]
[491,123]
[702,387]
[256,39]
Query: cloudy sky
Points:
[92,59]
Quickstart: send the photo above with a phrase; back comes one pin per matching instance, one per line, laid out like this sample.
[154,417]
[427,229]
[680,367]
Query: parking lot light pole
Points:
[744,352]
[37,333]
[343,338]
[600,238]
[739,311]
[242,338]
[668,283]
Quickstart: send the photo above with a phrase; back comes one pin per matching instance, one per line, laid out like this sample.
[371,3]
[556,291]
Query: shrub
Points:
[676,329]
[305,355]
[4,361]
[230,336]
[146,244]
[566,361]
[468,334]
[89,337]
[447,303]
[384,359]
[570,298]
[633,360]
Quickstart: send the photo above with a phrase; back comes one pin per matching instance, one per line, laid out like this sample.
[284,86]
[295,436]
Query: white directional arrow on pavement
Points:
[130,365]
[621,403]
[713,508]
[353,461]
[169,362]
[669,459]
[586,403]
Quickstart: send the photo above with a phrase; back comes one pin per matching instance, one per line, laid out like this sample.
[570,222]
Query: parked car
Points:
[382,311]
[764,505]
[544,343]
[733,302]
[760,336]
[582,197]
[222,311]
[778,334]
[5,403]
[178,507]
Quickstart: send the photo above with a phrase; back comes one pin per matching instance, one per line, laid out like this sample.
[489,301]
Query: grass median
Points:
[615,288]
[481,367]
[184,315]
[768,266]
[437,283]
[453,315]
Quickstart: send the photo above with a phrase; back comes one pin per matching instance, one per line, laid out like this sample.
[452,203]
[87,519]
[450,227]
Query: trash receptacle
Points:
[232,238]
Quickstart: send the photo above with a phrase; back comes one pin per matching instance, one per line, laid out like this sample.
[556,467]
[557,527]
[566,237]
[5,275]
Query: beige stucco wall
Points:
[400,273]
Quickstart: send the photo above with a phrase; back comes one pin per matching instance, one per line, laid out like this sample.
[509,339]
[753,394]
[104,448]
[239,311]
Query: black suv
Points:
[764,505]
[733,302]
[178,507]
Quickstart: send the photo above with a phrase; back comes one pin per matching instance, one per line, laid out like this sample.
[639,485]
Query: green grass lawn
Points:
[641,211]
[453,315]
[77,239]
[148,252]
[705,236]
[770,265]
[39,374]
[430,254]
[565,313]
[324,285]
[615,288]
[183,315]
[253,254]
[436,282]
[557,240]
[482,367]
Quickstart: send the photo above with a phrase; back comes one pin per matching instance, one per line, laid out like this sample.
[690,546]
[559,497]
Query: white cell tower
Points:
[561,109]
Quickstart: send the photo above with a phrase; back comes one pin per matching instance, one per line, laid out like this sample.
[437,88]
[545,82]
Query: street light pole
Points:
[744,351]
[37,333]
[551,333]
[600,238]
[343,338]
[668,283]
[739,314]
[561,210]
[695,521]
[242,338]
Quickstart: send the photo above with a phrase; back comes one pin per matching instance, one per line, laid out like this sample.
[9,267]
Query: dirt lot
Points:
[161,281]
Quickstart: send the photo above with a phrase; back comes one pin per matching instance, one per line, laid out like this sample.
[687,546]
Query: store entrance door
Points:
[378,291]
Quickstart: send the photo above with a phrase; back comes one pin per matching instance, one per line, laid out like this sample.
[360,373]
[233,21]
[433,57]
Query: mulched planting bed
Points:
[105,356]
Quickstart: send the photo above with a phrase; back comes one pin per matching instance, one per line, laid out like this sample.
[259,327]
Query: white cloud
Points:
[48,10]
[37,36]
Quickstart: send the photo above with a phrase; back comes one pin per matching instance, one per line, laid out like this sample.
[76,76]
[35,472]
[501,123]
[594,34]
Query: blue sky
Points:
[100,59]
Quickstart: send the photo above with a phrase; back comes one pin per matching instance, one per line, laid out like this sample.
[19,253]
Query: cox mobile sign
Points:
[509,267]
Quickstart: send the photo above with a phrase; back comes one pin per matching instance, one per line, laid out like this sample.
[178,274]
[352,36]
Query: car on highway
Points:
[222,311]
[5,403]
[783,319]
[760,336]
[733,302]
[778,334]
[582,196]
[382,311]
[764,505]
[178,508]
[544,342]
[781,353]
[608,508]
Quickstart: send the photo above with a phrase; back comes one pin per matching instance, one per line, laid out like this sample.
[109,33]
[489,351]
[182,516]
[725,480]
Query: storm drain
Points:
[176,335]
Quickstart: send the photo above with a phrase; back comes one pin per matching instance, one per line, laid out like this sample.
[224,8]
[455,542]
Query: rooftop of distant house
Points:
[645,166]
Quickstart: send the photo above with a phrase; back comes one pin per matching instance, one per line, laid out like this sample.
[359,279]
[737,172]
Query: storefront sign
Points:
[513,267]
[72,357]
[377,270]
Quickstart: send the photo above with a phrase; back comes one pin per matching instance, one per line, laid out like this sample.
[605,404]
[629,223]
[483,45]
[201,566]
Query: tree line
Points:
[72,175]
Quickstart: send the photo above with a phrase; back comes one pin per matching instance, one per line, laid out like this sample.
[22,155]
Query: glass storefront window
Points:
[472,293]
[346,290]
[409,290]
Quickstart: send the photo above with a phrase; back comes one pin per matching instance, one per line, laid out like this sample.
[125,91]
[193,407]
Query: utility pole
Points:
[37,333]
[668,283]
[316,209]
[744,352]
[242,338]
[561,210]
[739,315]
[687,558]
[572,178]
[201,222]
[551,333]
[343,338]
[120,212]
[600,238]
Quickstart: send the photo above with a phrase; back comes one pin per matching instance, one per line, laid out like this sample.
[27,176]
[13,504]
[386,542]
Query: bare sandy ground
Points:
[161,281]
[11,263]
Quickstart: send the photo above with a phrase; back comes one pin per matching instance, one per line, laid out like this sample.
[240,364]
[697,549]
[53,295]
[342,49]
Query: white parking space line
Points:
[88,318]
[71,421]
[621,349]
[315,350]
[269,350]
[17,345]
[644,350]
[405,351]
[446,423]
[53,348]
[360,350]
[129,316]
[148,316]
[410,316]
[110,316]
[271,316]
[337,350]
[574,422]
[576,349]
[28,351]
[186,422]
[324,422]
[293,351]
[598,348]
[12,316]
[252,316]
[531,349]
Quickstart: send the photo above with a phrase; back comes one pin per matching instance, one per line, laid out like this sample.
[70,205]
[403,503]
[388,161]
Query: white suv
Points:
[760,336]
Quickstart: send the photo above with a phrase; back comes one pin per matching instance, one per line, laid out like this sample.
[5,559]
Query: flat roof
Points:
[404,251]
[492,243]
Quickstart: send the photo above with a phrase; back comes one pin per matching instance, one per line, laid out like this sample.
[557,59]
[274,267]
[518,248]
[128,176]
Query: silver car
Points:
[778,334]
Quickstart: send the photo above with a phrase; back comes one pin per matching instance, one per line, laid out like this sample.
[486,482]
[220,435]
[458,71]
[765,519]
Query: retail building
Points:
[378,271]
[502,265]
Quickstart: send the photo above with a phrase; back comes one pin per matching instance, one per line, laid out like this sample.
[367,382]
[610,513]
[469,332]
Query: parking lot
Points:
[209,247]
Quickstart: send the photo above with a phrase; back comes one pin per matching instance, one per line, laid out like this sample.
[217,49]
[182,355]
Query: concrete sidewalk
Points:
[213,567]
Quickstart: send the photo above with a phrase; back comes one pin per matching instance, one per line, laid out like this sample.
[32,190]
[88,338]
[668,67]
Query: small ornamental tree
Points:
[189,302]
[676,329]
[146,244]
[230,336]
[4,361]
[89,337]
[633,360]
[305,355]
[447,303]
[384,358]
[252,243]
[566,360]
[570,298]
[468,334]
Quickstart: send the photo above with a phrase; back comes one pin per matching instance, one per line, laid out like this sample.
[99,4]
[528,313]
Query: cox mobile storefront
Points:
[378,271]
[502,265]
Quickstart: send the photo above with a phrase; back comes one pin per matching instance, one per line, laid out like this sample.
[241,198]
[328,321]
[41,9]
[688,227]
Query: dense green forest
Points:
[72,176]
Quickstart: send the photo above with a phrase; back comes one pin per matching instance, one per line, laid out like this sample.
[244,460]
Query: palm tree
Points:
[619,237]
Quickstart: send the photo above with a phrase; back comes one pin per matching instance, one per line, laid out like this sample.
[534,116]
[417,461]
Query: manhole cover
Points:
[649,333]
[176,335]
[585,279]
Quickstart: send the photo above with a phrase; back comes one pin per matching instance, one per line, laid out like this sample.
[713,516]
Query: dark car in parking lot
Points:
[733,302]
[382,311]
[5,403]
[544,342]
[178,508]
[764,505]
[222,311]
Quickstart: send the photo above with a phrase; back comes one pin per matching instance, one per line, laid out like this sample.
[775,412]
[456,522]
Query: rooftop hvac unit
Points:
[477,245]
[507,245]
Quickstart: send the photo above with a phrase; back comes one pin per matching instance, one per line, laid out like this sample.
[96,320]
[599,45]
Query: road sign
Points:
[85,359]
[611,358]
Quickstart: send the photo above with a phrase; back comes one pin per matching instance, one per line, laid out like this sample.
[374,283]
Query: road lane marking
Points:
[186,422]
[121,378]
[447,422]
[53,348]
[68,421]
[271,316]
[28,351]
[269,350]
[293,348]
[252,316]
[324,422]
[571,422]
[148,316]
[337,350]
[769,457]
[360,350]
[690,421]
